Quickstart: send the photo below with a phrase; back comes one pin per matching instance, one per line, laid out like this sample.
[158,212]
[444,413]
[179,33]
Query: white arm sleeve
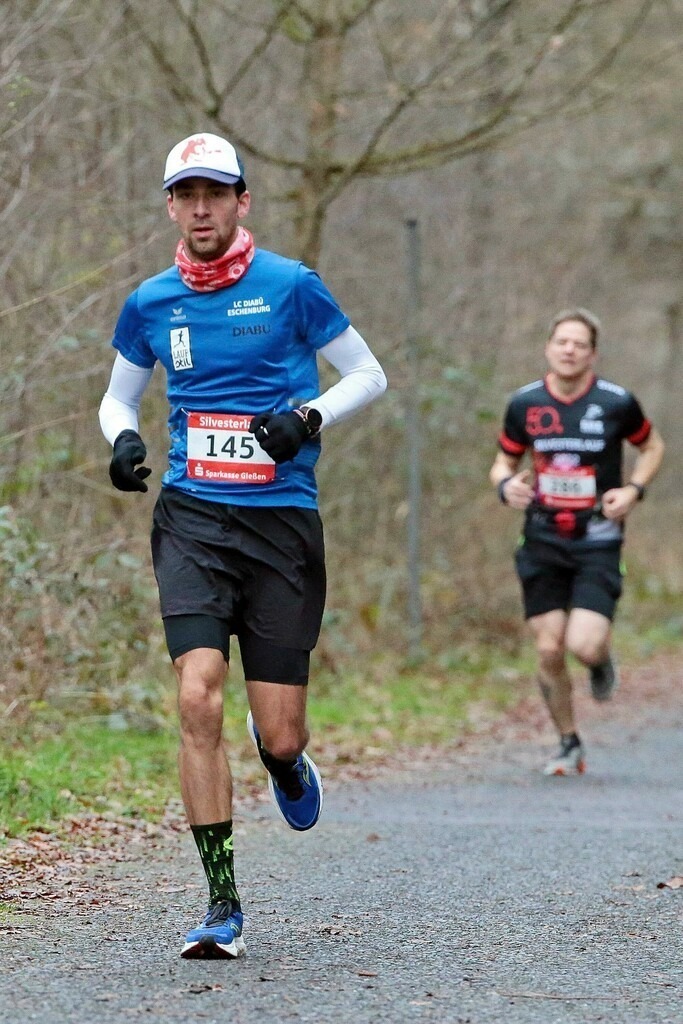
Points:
[121,402]
[363,379]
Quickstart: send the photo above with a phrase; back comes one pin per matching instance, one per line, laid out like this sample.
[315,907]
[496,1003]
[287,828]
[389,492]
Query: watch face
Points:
[314,417]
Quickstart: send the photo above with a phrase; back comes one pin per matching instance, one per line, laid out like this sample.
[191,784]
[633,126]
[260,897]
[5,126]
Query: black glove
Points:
[279,434]
[129,451]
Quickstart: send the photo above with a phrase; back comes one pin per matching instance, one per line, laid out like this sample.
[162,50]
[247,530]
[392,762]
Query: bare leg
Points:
[279,712]
[554,680]
[279,715]
[588,636]
[205,779]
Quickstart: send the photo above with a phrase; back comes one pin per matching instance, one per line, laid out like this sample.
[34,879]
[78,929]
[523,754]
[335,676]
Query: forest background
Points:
[537,146]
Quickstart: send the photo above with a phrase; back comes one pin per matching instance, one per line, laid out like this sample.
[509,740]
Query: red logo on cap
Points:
[197,147]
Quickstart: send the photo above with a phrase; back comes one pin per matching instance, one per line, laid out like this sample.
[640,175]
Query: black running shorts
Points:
[564,577]
[257,573]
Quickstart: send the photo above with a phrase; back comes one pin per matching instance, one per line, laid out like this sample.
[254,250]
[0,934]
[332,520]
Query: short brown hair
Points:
[240,186]
[584,316]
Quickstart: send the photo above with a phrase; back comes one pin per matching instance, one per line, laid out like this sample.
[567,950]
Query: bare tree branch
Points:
[487,131]
[413,159]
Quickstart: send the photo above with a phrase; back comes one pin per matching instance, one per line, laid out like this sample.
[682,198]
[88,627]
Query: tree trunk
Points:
[323,59]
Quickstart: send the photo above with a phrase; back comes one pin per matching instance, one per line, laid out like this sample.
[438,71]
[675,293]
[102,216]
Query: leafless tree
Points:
[368,88]
[539,143]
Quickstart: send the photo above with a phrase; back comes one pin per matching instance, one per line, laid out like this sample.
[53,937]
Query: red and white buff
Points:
[220,273]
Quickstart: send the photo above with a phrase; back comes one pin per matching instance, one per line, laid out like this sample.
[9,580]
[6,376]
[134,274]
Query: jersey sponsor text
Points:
[247,307]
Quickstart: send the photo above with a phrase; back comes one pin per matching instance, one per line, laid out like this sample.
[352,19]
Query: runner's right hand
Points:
[129,452]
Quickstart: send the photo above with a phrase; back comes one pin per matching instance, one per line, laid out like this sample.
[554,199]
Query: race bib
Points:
[571,488]
[221,450]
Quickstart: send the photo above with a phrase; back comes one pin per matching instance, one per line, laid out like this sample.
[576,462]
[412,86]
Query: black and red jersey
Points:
[575,445]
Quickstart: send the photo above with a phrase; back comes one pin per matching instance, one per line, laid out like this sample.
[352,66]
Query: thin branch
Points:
[190,23]
[353,18]
[587,105]
[37,428]
[561,998]
[190,100]
[481,26]
[484,134]
[269,34]
[413,158]
[101,269]
[218,95]
[177,87]
[611,55]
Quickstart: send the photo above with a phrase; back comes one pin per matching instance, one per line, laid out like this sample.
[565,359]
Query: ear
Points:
[170,207]
[243,205]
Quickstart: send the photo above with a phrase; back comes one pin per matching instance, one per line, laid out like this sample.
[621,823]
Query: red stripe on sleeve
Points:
[511,447]
[642,434]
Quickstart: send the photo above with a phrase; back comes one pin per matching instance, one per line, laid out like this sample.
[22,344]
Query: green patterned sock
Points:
[214,843]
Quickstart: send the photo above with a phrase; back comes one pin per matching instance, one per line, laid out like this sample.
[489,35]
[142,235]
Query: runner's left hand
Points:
[279,434]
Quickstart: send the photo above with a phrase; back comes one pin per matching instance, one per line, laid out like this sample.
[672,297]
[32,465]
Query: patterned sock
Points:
[273,765]
[214,843]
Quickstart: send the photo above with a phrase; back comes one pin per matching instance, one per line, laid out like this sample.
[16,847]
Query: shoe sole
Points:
[209,949]
[271,786]
[565,772]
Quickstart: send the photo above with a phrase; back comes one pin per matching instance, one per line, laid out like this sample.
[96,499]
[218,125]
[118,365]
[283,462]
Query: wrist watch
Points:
[501,490]
[312,418]
[639,487]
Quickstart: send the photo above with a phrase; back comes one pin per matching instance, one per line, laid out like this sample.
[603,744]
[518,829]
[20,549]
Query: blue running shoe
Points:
[297,792]
[219,936]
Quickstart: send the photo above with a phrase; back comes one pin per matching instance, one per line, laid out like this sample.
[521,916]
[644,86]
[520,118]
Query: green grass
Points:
[386,707]
[54,767]
[84,769]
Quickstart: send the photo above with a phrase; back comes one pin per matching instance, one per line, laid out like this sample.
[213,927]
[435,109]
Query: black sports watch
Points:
[312,418]
[639,487]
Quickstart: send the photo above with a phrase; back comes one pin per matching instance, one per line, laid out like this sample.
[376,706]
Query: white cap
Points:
[203,156]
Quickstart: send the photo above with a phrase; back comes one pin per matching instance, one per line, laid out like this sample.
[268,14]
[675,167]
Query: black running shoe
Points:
[604,679]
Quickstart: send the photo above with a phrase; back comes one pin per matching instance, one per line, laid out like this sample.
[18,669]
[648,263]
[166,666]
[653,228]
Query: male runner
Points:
[573,424]
[237,543]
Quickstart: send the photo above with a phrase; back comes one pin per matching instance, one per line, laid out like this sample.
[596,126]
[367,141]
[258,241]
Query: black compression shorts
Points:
[258,573]
[260,659]
[560,577]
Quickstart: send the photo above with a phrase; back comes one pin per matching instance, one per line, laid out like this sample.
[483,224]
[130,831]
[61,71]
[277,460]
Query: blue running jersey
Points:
[246,349]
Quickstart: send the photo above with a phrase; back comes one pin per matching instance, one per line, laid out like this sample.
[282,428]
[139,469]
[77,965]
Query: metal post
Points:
[414,441]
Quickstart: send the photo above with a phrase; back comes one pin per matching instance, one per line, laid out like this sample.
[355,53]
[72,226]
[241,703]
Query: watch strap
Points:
[639,487]
[312,418]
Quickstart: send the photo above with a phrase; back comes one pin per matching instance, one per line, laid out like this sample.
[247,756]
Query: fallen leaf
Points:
[330,929]
[673,883]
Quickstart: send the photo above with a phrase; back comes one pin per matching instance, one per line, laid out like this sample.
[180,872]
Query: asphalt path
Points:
[466,890]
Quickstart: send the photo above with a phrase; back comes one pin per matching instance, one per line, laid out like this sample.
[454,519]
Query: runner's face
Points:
[569,351]
[207,214]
